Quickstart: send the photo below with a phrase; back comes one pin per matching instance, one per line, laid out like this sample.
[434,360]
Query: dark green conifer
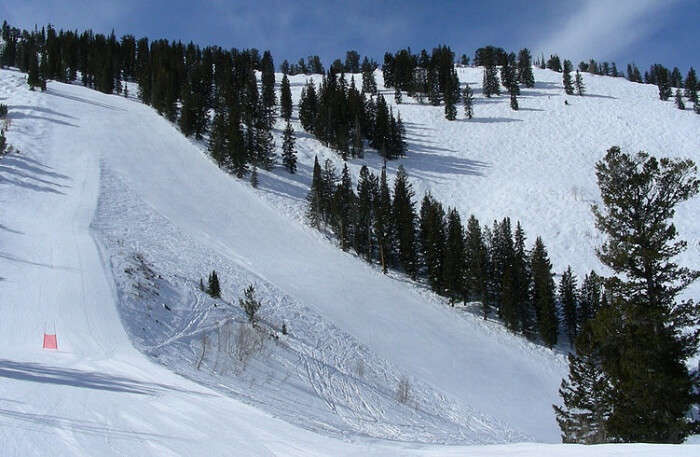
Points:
[289,155]
[643,334]
[580,88]
[314,197]
[543,294]
[525,75]
[477,264]
[491,85]
[344,206]
[679,100]
[454,262]
[382,205]
[404,217]
[213,288]
[568,83]
[569,303]
[285,99]
[468,98]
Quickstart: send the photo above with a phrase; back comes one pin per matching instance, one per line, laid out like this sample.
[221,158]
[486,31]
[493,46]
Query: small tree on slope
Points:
[289,155]
[214,289]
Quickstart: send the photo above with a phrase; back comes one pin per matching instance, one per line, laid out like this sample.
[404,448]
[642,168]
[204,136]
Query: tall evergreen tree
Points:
[491,85]
[285,99]
[367,190]
[589,299]
[580,88]
[269,100]
[214,288]
[521,283]
[644,336]
[451,96]
[468,98]
[432,240]
[691,85]
[454,262]
[679,100]
[525,75]
[344,209]
[404,221]
[663,83]
[513,98]
[314,197]
[289,155]
[586,394]
[477,264]
[543,294]
[383,205]
[568,83]
[569,303]
[369,84]
[308,106]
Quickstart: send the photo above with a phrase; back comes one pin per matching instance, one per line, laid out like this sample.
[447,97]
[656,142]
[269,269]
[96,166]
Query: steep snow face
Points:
[535,165]
[167,215]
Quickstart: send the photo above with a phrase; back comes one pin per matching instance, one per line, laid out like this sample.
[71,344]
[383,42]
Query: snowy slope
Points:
[88,158]
[534,165]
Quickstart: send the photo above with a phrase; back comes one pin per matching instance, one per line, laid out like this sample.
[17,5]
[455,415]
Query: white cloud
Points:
[602,28]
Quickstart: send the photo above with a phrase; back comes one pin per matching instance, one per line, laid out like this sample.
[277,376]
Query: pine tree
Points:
[308,106]
[645,342]
[250,304]
[285,99]
[525,75]
[367,189]
[663,83]
[454,262]
[217,138]
[580,88]
[569,303]
[679,100]
[289,155]
[269,100]
[513,98]
[468,98]
[397,95]
[521,283]
[314,197]
[568,84]
[33,77]
[264,146]
[589,299]
[432,240]
[586,394]
[434,87]
[213,288]
[369,84]
[691,85]
[450,95]
[543,294]
[344,209]
[383,221]
[477,264]
[404,217]
[491,85]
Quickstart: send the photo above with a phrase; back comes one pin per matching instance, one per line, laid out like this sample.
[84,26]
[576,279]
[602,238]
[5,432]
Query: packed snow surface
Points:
[109,218]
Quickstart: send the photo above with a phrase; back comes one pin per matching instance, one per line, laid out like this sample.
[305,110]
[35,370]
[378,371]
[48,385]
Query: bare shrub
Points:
[249,341]
[403,391]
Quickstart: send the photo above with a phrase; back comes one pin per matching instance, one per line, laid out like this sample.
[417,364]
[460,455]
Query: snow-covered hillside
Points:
[109,216]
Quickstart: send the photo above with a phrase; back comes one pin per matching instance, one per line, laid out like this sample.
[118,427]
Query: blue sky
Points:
[641,31]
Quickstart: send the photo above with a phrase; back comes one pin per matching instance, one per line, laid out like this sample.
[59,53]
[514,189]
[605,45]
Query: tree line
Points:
[463,261]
